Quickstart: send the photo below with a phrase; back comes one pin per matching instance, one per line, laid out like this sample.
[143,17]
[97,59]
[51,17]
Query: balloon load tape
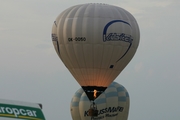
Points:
[93,110]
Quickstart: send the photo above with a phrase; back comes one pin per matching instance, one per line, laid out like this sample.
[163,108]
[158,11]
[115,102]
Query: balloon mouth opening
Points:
[93,92]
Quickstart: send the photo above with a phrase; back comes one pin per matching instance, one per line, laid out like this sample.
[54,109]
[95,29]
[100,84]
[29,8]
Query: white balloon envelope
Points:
[95,42]
[113,104]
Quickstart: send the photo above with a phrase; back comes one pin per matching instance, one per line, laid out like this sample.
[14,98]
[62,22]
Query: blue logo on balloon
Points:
[117,36]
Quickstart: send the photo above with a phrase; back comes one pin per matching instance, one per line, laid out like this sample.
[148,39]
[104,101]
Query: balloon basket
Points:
[93,110]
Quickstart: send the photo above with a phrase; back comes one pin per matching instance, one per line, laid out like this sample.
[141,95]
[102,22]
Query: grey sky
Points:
[31,71]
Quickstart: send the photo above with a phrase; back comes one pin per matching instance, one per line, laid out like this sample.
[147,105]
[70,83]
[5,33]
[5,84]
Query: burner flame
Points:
[95,93]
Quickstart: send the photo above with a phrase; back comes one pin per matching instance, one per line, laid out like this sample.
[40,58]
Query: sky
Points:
[31,71]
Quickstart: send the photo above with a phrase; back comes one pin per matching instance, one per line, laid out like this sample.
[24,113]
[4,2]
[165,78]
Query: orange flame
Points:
[95,92]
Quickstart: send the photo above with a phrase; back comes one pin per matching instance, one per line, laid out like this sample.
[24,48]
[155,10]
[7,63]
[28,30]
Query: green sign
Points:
[21,112]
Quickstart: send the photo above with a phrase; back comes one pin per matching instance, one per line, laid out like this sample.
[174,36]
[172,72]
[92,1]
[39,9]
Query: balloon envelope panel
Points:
[113,104]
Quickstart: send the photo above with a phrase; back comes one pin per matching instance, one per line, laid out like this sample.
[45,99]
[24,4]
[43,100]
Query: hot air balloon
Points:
[113,104]
[95,42]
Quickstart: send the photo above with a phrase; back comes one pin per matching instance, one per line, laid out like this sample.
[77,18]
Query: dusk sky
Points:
[31,71]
